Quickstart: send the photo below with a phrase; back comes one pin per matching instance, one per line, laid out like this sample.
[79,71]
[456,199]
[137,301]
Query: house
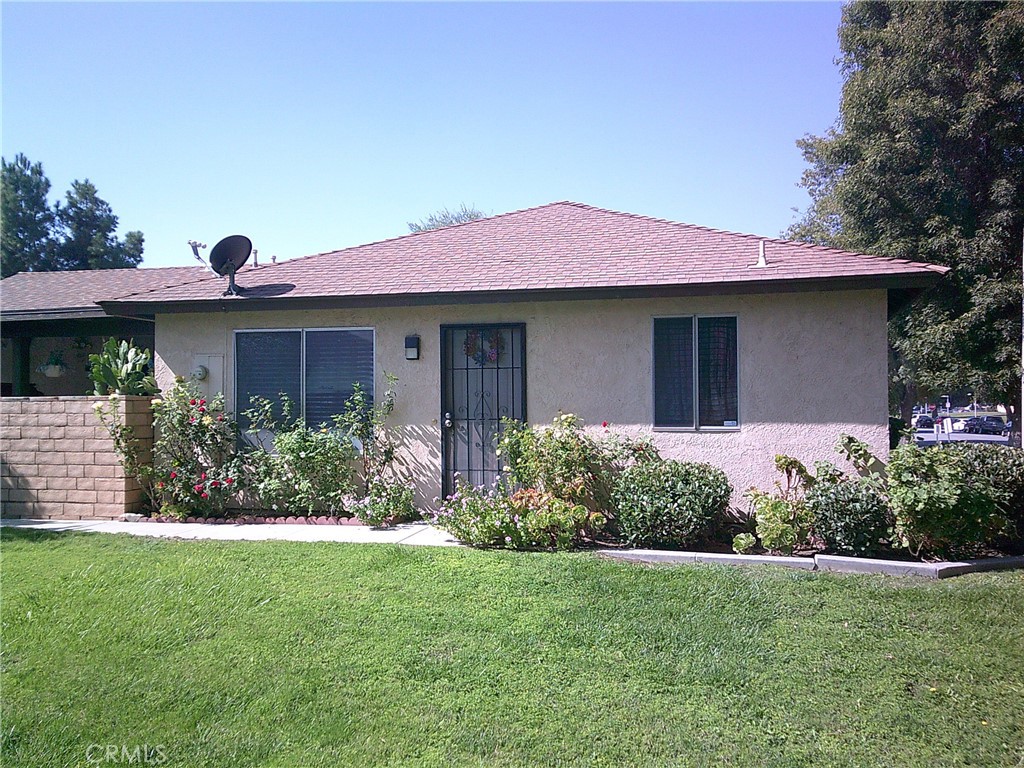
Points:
[44,313]
[721,347]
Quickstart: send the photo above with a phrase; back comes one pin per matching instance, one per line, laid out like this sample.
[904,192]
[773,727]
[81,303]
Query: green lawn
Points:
[293,654]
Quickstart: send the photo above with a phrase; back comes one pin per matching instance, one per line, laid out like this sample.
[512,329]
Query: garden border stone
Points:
[831,563]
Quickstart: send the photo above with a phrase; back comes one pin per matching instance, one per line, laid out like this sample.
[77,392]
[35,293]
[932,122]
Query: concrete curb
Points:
[831,563]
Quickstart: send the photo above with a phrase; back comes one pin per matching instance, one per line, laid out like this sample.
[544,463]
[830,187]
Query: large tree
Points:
[88,227]
[446,218]
[27,219]
[926,162]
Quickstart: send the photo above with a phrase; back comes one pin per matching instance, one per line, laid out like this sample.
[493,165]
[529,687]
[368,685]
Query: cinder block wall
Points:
[57,460]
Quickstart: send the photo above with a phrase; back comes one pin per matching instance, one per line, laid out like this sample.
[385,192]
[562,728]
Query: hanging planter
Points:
[54,366]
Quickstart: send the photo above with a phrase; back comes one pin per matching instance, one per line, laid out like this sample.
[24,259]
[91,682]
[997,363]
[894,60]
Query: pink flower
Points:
[197,488]
[202,476]
[229,480]
[205,496]
[173,475]
[214,484]
[220,417]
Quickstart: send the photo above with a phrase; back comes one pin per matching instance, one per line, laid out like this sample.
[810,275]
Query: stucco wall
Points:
[811,365]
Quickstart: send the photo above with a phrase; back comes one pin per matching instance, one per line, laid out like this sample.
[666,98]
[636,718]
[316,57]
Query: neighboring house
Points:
[721,347]
[58,312]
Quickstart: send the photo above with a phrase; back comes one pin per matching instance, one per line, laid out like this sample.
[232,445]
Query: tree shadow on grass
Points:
[32,535]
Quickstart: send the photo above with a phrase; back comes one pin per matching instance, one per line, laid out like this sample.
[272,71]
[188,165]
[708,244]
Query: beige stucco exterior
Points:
[811,365]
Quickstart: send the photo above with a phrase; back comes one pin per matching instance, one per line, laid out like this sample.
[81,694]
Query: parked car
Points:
[924,422]
[990,425]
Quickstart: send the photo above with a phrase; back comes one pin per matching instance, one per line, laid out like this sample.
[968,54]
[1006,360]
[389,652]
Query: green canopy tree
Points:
[446,218]
[26,219]
[88,227]
[926,162]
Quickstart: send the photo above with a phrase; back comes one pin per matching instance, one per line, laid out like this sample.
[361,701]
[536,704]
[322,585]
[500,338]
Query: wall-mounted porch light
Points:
[412,347]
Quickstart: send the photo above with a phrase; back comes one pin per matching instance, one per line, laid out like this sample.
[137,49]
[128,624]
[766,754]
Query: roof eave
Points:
[250,304]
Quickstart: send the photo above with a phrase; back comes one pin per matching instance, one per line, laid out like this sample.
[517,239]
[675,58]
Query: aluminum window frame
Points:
[302,356]
[696,374]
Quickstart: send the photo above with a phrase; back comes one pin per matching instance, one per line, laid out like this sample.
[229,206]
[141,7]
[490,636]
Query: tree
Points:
[88,227]
[926,162]
[27,220]
[446,218]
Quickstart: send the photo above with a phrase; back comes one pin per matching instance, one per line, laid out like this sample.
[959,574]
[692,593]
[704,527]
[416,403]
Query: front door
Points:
[483,380]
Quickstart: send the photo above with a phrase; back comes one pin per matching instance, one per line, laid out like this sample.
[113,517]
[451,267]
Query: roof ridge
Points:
[174,284]
[780,240]
[409,235]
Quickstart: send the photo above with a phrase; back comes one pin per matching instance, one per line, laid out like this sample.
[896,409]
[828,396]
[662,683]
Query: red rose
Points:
[173,475]
[202,402]
[221,417]
[201,409]
[197,488]
[192,402]
[202,476]
[604,424]
[205,496]
[214,484]
[229,480]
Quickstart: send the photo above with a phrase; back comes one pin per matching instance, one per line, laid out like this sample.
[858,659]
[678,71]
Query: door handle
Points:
[447,421]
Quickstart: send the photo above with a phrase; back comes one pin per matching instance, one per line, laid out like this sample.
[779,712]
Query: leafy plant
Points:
[366,422]
[669,503]
[310,469]
[386,502]
[197,469]
[564,460]
[527,519]
[937,505]
[55,358]
[783,520]
[1003,467]
[122,368]
[850,515]
[136,459]
[744,543]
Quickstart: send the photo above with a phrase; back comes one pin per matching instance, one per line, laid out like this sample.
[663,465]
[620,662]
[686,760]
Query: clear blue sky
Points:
[317,126]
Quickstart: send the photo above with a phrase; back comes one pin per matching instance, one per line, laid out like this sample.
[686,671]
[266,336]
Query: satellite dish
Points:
[228,256]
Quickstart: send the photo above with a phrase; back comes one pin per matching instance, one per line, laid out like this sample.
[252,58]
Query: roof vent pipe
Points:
[761,261]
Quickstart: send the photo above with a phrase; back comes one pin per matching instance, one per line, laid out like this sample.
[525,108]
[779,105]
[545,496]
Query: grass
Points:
[295,654]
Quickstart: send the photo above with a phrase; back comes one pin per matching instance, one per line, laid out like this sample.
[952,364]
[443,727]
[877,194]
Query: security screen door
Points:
[483,380]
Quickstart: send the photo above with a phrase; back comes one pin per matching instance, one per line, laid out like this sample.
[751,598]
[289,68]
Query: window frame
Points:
[696,374]
[302,356]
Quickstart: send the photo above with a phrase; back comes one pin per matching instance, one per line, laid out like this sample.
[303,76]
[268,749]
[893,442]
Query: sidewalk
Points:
[414,534]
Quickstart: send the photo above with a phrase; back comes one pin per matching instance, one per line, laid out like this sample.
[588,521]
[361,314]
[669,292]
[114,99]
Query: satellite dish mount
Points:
[227,257]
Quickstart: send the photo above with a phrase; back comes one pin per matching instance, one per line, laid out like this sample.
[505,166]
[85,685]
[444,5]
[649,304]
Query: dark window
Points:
[315,368]
[708,347]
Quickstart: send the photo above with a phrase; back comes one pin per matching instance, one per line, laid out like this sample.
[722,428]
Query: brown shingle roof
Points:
[560,247]
[78,293]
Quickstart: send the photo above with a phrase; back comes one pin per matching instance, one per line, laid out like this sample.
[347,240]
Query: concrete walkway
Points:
[415,534]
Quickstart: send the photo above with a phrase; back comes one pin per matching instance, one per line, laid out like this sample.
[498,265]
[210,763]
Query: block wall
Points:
[57,460]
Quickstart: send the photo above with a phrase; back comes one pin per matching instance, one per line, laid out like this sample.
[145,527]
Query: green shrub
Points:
[196,468]
[526,519]
[669,503]
[782,518]
[743,543]
[307,469]
[561,459]
[1003,467]
[386,502]
[938,505]
[850,515]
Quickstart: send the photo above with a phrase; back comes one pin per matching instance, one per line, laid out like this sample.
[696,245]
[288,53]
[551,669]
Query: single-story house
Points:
[721,347]
[57,313]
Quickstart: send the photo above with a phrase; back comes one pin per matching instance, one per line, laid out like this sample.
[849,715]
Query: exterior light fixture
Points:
[412,347]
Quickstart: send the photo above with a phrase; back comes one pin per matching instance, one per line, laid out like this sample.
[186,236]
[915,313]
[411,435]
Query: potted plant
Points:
[54,365]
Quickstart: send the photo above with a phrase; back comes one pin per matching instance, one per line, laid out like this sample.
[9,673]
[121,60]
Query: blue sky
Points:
[317,126]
